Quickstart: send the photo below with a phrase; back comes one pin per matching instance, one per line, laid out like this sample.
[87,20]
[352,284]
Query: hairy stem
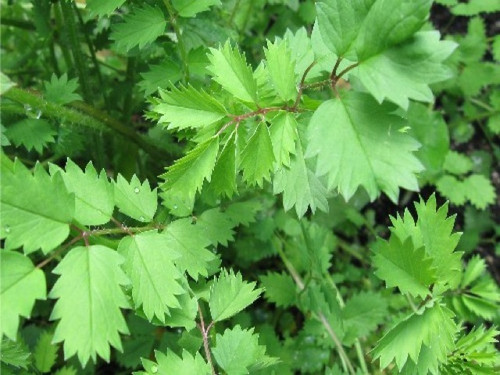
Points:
[206,344]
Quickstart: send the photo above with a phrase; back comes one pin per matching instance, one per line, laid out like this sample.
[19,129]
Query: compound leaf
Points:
[149,262]
[89,298]
[229,295]
[21,284]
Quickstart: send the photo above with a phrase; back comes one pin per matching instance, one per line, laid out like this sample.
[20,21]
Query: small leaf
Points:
[479,190]
[45,353]
[60,90]
[31,133]
[103,7]
[281,69]
[15,354]
[257,157]
[135,199]
[170,363]
[279,288]
[189,8]
[283,133]
[229,295]
[223,181]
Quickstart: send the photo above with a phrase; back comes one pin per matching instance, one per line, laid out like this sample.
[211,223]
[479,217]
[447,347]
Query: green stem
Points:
[21,24]
[180,39]
[127,102]
[81,67]
[64,48]
[86,116]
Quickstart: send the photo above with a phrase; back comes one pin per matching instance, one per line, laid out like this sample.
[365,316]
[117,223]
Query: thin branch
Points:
[333,75]
[58,252]
[301,85]
[346,70]
[122,227]
[204,334]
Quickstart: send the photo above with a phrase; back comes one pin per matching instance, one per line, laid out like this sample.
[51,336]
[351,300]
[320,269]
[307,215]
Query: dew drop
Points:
[38,114]
[7,229]
[29,111]
[137,190]
[154,369]
[142,218]
[175,207]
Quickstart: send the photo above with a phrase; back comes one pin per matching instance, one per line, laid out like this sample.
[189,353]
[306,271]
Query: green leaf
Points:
[405,71]
[185,315]
[21,284]
[60,90]
[434,325]
[186,176]
[283,133]
[190,242]
[457,163]
[14,354]
[45,353]
[66,371]
[257,157]
[94,195]
[139,28]
[237,351]
[452,189]
[149,263]
[135,199]
[89,296]
[31,133]
[355,140]
[339,23]
[495,48]
[103,7]
[279,288]
[170,363]
[189,8]
[223,181]
[229,295]
[36,209]
[229,68]
[480,191]
[5,83]
[473,7]
[162,76]
[401,265]
[361,315]
[281,69]
[217,226]
[188,108]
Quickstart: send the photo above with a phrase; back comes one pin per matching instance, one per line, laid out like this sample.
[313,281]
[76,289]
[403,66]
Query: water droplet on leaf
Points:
[175,207]
[7,229]
[38,114]
[142,218]
[137,190]
[154,369]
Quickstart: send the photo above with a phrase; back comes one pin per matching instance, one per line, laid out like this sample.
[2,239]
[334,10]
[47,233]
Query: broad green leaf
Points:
[15,354]
[149,263]
[279,288]
[300,186]
[390,22]
[401,265]
[190,242]
[170,363]
[283,133]
[89,298]
[185,177]
[189,8]
[229,295]
[60,90]
[339,23]
[433,325]
[480,191]
[135,199]
[237,352]
[94,194]
[21,284]
[281,69]
[405,71]
[139,28]
[257,157]
[45,353]
[31,133]
[457,163]
[36,209]
[229,68]
[223,181]
[355,139]
[103,7]
[361,315]
[188,107]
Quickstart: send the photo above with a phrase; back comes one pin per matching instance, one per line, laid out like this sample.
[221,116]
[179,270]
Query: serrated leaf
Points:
[94,194]
[401,265]
[281,69]
[190,242]
[149,262]
[61,90]
[229,295]
[405,71]
[14,354]
[170,363]
[355,140]
[160,76]
[189,8]
[474,269]
[423,328]
[480,191]
[66,371]
[188,107]
[229,68]
[283,132]
[223,181]
[31,133]
[216,226]
[139,28]
[257,157]
[457,163]
[21,284]
[135,199]
[45,353]
[452,189]
[89,299]
[103,7]
[185,315]
[237,351]
[36,209]
[279,288]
